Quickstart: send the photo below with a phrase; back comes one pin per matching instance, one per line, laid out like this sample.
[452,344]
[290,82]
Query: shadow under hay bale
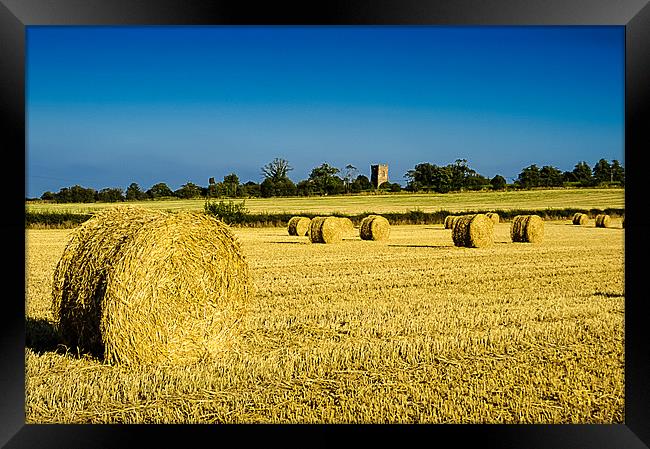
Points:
[325,230]
[473,231]
[298,226]
[603,221]
[374,227]
[41,336]
[527,229]
[580,218]
[142,286]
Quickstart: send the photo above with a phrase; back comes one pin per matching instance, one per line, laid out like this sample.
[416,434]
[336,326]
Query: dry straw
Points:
[449,221]
[298,226]
[494,217]
[580,218]
[527,229]
[325,230]
[142,286]
[374,227]
[346,225]
[473,231]
[602,221]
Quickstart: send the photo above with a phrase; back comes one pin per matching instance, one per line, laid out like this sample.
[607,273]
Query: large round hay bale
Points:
[374,227]
[346,225]
[494,217]
[602,221]
[140,287]
[623,223]
[580,218]
[473,231]
[325,230]
[527,229]
[298,226]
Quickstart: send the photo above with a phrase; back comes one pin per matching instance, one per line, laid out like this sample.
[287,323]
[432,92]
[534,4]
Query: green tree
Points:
[306,188]
[474,181]
[280,187]
[360,184]
[569,176]
[48,196]
[421,177]
[231,184]
[529,177]
[582,173]
[75,194]
[159,190]
[110,195]
[188,191]
[325,180]
[498,182]
[251,189]
[618,172]
[134,193]
[602,172]
[277,169]
[460,173]
[350,171]
[390,187]
[550,176]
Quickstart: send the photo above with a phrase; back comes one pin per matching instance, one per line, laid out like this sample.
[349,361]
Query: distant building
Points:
[378,174]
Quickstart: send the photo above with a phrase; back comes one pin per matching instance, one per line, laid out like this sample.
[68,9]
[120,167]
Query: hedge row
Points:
[70,220]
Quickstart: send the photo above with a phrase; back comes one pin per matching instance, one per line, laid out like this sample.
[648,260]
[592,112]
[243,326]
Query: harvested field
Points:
[414,331]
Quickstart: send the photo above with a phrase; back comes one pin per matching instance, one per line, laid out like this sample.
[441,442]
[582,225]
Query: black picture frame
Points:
[634,15]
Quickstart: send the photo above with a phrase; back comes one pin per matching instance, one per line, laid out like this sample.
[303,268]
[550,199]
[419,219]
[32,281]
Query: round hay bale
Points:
[363,227]
[527,229]
[146,287]
[580,218]
[346,225]
[298,226]
[473,231]
[449,221]
[602,221]
[623,223]
[494,217]
[374,227]
[325,230]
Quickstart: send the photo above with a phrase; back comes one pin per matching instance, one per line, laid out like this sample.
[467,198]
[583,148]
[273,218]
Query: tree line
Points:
[328,180]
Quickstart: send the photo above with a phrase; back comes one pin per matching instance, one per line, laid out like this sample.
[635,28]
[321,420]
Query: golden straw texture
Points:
[325,230]
[449,221]
[602,221]
[298,226]
[143,287]
[580,218]
[374,227]
[473,231]
[527,229]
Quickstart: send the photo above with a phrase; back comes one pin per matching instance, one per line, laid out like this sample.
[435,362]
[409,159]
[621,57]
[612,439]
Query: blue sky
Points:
[107,106]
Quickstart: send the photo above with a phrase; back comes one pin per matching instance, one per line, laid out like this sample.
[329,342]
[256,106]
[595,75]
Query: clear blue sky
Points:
[107,106]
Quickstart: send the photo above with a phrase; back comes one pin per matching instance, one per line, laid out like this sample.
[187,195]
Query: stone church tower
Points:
[378,174]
